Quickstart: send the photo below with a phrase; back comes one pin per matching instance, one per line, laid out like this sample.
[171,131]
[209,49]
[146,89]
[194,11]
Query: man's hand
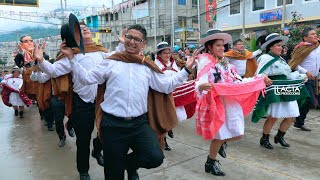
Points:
[310,75]
[38,53]
[122,37]
[191,61]
[67,51]
[205,87]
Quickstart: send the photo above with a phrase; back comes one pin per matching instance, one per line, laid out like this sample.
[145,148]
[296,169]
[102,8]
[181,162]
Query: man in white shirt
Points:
[243,59]
[306,60]
[83,97]
[124,123]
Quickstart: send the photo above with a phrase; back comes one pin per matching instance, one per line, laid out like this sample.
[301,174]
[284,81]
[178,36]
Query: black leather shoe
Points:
[279,139]
[50,127]
[170,134]
[264,141]
[71,132]
[223,150]
[212,166]
[99,157]
[84,176]
[303,128]
[133,174]
[62,142]
[166,145]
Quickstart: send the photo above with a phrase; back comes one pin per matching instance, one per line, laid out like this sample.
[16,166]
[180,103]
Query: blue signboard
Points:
[182,2]
[273,15]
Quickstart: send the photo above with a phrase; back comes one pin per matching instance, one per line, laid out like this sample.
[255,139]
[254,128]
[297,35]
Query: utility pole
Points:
[155,24]
[283,13]
[172,24]
[243,18]
[199,21]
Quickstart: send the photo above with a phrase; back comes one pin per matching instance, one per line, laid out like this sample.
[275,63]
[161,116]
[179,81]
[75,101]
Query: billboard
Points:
[211,10]
[272,15]
[32,3]
[140,10]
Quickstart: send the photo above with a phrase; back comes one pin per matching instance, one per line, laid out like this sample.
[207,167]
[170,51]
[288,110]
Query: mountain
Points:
[34,32]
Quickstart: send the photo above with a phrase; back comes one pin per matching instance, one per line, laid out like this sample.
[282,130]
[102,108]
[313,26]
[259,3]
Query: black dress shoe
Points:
[84,176]
[132,174]
[99,157]
[303,128]
[212,166]
[170,134]
[223,150]
[62,142]
[71,132]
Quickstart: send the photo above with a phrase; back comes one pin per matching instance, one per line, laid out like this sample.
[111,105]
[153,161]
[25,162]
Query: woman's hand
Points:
[205,87]
[267,80]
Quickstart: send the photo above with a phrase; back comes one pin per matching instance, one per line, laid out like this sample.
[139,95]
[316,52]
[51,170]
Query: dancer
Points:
[224,98]
[277,102]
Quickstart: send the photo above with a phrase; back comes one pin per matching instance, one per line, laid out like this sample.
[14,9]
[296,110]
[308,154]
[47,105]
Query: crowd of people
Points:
[136,100]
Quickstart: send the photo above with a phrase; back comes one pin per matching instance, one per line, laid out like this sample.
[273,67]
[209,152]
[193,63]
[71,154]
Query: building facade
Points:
[157,17]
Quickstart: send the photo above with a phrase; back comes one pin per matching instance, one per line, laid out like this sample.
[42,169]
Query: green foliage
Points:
[35,33]
[293,31]
[251,44]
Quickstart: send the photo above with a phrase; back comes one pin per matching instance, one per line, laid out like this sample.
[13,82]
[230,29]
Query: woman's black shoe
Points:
[170,134]
[96,151]
[264,141]
[279,139]
[21,114]
[166,145]
[16,112]
[223,150]
[212,166]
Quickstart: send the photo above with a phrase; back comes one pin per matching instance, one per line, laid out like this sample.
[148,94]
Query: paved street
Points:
[29,151]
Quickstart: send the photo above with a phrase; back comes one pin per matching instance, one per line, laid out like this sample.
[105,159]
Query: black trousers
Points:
[58,110]
[83,116]
[311,86]
[118,136]
[48,116]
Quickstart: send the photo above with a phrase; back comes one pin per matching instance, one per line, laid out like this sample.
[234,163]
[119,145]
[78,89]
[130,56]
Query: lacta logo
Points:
[287,90]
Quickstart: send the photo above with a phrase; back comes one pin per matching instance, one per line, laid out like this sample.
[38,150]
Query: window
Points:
[182,2]
[161,3]
[257,5]
[116,16]
[280,2]
[161,21]
[195,22]
[194,3]
[107,17]
[151,22]
[182,21]
[234,6]
[111,17]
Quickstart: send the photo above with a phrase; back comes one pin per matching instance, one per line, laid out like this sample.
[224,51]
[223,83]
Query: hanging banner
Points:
[211,10]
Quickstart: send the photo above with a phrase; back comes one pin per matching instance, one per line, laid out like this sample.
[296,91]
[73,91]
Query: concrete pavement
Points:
[28,151]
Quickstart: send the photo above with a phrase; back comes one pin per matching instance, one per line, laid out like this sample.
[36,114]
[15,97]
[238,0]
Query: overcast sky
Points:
[45,5]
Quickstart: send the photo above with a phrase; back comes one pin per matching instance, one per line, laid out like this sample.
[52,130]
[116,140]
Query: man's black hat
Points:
[71,32]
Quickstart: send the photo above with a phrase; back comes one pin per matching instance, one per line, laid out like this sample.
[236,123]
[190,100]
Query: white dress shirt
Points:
[311,63]
[87,93]
[39,76]
[127,85]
